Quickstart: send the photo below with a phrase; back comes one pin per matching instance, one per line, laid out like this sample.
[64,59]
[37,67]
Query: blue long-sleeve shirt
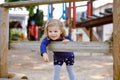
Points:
[57,55]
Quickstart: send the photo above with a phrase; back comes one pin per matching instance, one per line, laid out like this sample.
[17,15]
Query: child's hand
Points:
[45,57]
[65,41]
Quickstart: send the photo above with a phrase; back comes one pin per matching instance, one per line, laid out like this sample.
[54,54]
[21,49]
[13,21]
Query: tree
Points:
[37,17]
[30,9]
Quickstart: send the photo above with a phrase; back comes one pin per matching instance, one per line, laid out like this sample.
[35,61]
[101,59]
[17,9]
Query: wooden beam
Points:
[95,15]
[4,33]
[96,22]
[104,14]
[83,47]
[95,37]
[35,3]
[116,39]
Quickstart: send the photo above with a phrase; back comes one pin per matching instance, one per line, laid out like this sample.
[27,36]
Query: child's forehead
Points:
[54,27]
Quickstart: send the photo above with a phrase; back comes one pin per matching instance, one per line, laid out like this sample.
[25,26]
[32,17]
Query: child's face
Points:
[54,32]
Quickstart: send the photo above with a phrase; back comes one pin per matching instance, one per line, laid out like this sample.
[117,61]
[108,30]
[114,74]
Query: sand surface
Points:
[31,64]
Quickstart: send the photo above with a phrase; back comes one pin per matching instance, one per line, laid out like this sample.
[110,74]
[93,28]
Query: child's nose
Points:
[53,32]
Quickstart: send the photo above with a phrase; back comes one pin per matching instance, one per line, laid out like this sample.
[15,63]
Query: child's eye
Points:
[50,31]
[55,31]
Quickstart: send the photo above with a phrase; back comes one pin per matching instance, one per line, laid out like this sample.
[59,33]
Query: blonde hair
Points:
[56,23]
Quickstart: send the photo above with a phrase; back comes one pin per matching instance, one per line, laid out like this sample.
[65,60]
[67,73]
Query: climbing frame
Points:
[4,28]
[116,39]
[4,34]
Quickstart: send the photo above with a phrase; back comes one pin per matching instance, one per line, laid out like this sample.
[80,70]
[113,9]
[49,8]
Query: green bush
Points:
[15,34]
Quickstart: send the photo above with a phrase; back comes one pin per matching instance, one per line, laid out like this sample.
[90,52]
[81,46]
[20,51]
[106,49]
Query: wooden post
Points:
[4,33]
[69,18]
[116,39]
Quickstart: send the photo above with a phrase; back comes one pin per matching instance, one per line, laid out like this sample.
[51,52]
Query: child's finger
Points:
[46,60]
[65,41]
[45,57]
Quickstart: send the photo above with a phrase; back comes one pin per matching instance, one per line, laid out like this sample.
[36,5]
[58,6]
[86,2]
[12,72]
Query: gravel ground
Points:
[87,67]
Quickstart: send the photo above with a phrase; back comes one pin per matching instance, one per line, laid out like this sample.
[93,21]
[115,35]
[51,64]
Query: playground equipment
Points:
[50,11]
[4,27]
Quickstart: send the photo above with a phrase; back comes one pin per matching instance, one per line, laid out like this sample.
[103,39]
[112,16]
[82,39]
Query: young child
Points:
[54,31]
[32,31]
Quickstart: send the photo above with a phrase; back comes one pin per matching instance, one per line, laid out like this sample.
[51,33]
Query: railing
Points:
[83,47]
